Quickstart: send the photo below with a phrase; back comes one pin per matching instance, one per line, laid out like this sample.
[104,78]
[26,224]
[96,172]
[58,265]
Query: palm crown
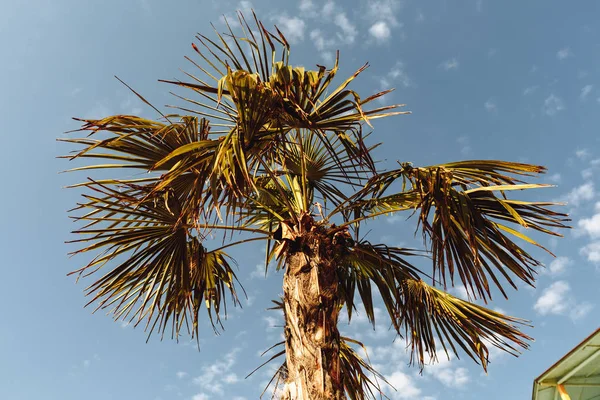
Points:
[277,152]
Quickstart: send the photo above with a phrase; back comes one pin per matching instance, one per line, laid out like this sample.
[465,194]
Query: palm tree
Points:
[273,152]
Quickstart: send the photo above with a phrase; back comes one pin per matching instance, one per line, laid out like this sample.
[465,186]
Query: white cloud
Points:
[582,154]
[396,74]
[447,373]
[554,299]
[581,310]
[404,385]
[328,8]
[450,64]
[245,6]
[214,377]
[292,28]
[456,378]
[259,271]
[580,194]
[592,252]
[380,31]
[529,90]
[349,31]
[459,291]
[231,378]
[307,7]
[591,226]
[552,105]
[556,178]
[563,53]
[318,38]
[490,106]
[272,322]
[200,396]
[558,266]
[585,91]
[383,10]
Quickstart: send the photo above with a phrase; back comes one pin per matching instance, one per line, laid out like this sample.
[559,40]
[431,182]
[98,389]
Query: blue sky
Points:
[514,80]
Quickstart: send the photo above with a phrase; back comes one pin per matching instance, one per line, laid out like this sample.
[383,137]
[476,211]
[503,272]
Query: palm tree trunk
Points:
[311,308]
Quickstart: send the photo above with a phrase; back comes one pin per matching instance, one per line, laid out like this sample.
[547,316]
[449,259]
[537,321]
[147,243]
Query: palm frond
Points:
[465,221]
[359,378]
[136,142]
[166,274]
[467,229]
[426,315]
[366,265]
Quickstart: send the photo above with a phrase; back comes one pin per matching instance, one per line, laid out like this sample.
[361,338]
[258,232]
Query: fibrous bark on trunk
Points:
[311,309]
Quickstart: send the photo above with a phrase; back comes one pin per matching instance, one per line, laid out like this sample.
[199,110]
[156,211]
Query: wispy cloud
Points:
[558,266]
[582,154]
[579,194]
[556,299]
[556,178]
[349,31]
[214,377]
[383,10]
[397,74]
[448,372]
[552,105]
[258,272]
[529,90]
[450,64]
[585,91]
[292,27]
[563,53]
[324,41]
[307,7]
[490,106]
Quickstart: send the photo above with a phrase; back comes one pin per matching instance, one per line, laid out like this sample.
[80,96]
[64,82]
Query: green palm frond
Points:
[426,315]
[366,265]
[136,142]
[322,161]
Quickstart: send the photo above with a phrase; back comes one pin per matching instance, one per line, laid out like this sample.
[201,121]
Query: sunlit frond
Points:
[166,274]
[467,229]
[367,265]
[426,314]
